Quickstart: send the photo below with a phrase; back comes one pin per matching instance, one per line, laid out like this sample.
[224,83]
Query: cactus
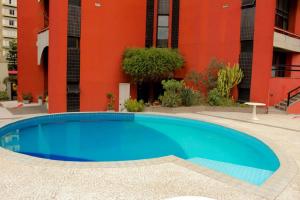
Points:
[228,78]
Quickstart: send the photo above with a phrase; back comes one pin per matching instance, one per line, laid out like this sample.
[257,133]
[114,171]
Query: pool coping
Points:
[269,190]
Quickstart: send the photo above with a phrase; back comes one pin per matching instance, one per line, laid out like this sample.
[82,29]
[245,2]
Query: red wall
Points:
[57,56]
[279,88]
[295,60]
[105,33]
[294,18]
[30,75]
[263,50]
[294,108]
[209,30]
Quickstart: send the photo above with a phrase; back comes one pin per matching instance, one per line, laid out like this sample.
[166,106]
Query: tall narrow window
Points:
[73,56]
[149,23]
[163,23]
[282,14]
[175,23]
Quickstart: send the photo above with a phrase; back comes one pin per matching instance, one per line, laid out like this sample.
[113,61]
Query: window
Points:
[75,2]
[73,42]
[163,24]
[11,12]
[9,33]
[279,64]
[248,3]
[9,1]
[11,22]
[282,14]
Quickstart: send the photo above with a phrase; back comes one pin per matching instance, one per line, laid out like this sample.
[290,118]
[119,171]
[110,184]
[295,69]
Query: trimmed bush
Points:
[153,64]
[132,105]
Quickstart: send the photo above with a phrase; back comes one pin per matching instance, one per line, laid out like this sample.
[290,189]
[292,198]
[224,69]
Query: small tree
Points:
[208,78]
[153,64]
[12,55]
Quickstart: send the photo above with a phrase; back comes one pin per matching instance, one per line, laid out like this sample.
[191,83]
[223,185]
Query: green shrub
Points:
[132,105]
[189,97]
[3,96]
[151,64]
[27,96]
[215,98]
[170,99]
[172,96]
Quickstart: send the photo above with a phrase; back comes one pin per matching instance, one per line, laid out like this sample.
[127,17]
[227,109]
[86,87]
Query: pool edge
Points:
[269,190]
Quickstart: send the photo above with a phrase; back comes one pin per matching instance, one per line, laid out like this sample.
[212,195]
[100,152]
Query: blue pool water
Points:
[122,137]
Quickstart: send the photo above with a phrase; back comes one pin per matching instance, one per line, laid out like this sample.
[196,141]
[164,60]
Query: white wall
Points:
[3,75]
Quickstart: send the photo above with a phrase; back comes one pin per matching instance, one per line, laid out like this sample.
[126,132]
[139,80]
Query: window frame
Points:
[282,14]
[161,43]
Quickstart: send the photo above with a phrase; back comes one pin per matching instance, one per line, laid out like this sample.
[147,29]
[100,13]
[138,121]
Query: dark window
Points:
[11,22]
[247,46]
[149,23]
[282,14]
[11,12]
[75,2]
[73,42]
[248,3]
[73,56]
[246,54]
[163,23]
[175,23]
[279,64]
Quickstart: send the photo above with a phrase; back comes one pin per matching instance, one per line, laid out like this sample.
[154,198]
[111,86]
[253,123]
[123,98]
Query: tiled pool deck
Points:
[24,177]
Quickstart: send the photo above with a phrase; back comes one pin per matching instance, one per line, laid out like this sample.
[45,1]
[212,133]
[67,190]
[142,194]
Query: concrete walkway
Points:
[30,178]
[291,122]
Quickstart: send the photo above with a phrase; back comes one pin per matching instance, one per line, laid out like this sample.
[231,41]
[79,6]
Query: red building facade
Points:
[72,49]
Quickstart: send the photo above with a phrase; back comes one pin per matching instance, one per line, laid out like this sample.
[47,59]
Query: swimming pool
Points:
[109,137]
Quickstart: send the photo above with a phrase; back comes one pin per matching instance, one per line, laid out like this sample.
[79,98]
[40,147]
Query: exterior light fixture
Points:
[98,4]
[226,5]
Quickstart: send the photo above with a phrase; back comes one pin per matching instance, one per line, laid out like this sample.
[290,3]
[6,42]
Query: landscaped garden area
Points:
[215,86]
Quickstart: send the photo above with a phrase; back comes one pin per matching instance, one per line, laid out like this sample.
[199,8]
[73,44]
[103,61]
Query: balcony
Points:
[286,40]
[42,43]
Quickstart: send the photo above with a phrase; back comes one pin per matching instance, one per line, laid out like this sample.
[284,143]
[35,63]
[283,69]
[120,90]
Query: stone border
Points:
[269,190]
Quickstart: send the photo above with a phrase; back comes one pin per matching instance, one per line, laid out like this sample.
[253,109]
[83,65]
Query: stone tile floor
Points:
[26,180]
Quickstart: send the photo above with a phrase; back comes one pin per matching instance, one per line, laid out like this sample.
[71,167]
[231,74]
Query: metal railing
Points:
[279,70]
[292,94]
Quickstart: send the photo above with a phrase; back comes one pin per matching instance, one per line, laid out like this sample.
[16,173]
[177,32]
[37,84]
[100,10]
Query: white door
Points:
[124,94]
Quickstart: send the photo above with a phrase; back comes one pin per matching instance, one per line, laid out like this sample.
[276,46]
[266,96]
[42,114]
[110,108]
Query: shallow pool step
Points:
[249,174]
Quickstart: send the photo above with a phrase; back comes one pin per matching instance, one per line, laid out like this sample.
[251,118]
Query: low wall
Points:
[279,88]
[294,108]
